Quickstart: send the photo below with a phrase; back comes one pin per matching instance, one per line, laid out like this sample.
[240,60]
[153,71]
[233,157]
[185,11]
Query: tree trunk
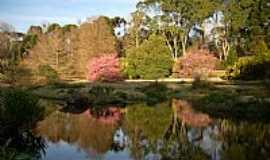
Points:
[184,43]
[220,52]
[170,46]
[176,48]
[137,39]
[226,49]
[57,58]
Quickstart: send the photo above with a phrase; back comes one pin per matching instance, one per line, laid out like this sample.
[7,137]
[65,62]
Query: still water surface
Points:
[172,130]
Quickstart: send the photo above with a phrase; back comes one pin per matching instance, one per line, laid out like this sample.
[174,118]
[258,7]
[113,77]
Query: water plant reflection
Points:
[243,140]
[170,130]
[93,133]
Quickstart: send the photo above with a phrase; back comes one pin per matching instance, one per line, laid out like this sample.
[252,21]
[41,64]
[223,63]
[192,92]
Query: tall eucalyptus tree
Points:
[177,18]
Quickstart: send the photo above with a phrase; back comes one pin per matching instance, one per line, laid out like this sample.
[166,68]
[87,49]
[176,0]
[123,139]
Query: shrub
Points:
[19,109]
[19,113]
[3,77]
[230,106]
[104,68]
[251,68]
[48,72]
[18,75]
[258,46]
[151,60]
[156,93]
[197,64]
[29,41]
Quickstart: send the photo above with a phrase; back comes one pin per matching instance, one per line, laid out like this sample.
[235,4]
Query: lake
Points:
[170,130]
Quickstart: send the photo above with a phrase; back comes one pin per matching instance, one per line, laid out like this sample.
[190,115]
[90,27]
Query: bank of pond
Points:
[135,121]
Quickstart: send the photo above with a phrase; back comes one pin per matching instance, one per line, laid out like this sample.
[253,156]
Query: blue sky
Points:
[23,13]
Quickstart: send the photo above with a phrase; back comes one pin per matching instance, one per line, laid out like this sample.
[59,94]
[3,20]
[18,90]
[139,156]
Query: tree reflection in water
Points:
[165,131]
[180,132]
[155,133]
[244,141]
[94,134]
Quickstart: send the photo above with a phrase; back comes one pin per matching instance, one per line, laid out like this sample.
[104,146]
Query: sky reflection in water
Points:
[169,130]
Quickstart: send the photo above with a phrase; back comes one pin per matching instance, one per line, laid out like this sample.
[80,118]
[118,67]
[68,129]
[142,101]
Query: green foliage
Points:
[218,98]
[104,95]
[258,46]
[151,60]
[29,41]
[235,152]
[19,109]
[151,123]
[3,77]
[232,58]
[251,68]
[142,117]
[12,154]
[230,106]
[69,27]
[48,72]
[19,112]
[156,93]
[201,84]
[259,21]
[16,74]
[53,27]
[30,149]
[242,144]
[151,94]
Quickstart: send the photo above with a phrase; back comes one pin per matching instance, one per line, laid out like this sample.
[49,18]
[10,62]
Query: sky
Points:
[24,13]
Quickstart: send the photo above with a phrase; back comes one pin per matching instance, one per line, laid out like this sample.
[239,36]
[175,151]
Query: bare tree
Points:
[5,27]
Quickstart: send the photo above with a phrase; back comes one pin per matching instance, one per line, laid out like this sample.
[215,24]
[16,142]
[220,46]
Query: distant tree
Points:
[4,51]
[54,50]
[232,28]
[4,44]
[135,33]
[52,27]
[119,23]
[35,30]
[68,49]
[69,27]
[94,39]
[29,41]
[150,60]
[251,67]
[176,19]
[259,22]
[137,22]
[221,42]
[5,27]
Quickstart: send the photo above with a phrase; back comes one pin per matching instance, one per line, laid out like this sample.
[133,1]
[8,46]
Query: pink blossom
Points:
[195,62]
[104,68]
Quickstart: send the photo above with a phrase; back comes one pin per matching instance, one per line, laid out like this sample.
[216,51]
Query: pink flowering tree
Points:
[196,64]
[104,68]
